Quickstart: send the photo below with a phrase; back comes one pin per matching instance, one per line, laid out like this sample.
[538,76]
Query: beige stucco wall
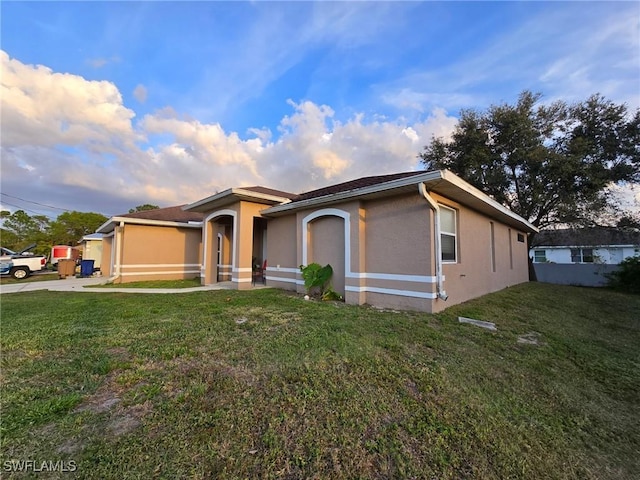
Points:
[106,267]
[398,234]
[282,252]
[159,253]
[239,247]
[326,245]
[473,275]
[392,257]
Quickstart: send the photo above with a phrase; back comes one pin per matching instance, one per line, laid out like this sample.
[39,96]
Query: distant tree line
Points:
[19,229]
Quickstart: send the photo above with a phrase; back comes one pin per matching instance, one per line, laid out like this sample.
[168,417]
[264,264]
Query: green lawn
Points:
[262,384]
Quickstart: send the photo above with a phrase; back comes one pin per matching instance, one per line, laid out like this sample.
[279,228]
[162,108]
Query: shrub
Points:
[316,278]
[627,277]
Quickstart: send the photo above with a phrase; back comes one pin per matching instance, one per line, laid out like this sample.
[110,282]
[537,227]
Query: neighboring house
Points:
[585,245]
[417,240]
[158,244]
[584,256]
[91,246]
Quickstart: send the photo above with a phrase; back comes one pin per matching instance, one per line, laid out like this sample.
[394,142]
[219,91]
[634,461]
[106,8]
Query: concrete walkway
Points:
[72,284]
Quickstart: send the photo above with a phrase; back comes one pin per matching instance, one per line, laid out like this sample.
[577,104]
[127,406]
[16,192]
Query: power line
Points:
[21,208]
[31,201]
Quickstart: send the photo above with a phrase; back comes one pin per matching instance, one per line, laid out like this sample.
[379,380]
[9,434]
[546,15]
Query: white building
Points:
[585,245]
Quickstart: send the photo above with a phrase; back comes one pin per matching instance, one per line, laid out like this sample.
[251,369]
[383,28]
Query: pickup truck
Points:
[23,263]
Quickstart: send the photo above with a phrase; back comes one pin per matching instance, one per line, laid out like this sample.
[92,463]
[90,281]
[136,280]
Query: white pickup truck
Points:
[22,263]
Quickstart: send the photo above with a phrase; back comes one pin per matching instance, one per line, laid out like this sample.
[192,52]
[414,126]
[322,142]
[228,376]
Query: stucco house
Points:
[416,240]
[91,248]
[158,244]
[601,245]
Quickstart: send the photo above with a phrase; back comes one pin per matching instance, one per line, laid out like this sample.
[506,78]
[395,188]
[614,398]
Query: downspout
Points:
[118,252]
[442,294]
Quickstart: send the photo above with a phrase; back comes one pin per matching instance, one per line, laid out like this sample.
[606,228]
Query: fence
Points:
[587,275]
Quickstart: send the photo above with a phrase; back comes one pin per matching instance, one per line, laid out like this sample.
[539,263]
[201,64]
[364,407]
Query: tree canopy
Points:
[142,208]
[19,229]
[549,163]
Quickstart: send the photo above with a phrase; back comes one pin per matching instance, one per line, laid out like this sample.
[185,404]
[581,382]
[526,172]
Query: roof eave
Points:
[232,195]
[114,221]
[432,179]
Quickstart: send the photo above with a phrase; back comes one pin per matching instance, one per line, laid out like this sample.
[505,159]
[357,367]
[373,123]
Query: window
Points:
[448,234]
[582,255]
[539,256]
[521,238]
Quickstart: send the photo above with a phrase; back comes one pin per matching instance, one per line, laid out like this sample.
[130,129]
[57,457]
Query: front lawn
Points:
[263,384]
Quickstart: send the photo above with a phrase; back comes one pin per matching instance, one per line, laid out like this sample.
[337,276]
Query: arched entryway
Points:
[327,242]
[218,247]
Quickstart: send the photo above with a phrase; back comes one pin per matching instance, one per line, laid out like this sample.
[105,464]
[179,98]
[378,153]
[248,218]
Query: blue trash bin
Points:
[86,268]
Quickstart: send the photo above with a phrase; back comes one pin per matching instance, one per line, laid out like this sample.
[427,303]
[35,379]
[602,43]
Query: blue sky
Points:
[110,105]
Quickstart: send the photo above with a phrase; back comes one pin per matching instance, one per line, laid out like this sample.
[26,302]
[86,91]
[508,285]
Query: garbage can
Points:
[86,268]
[66,268]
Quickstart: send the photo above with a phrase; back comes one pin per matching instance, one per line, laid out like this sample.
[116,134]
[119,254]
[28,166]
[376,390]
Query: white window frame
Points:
[535,257]
[582,255]
[450,234]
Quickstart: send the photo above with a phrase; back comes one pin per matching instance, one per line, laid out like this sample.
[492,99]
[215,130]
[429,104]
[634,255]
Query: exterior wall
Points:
[235,223]
[399,268]
[242,274]
[106,266]
[482,266]
[92,250]
[604,255]
[387,250]
[283,268]
[327,246]
[158,253]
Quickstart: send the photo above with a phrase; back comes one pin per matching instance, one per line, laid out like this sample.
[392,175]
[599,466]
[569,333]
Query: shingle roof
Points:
[353,185]
[586,237]
[271,191]
[168,214]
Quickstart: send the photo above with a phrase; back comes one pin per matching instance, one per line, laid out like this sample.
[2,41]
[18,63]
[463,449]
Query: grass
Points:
[187,283]
[262,384]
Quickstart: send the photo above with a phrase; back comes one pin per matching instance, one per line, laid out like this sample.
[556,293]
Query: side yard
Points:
[262,384]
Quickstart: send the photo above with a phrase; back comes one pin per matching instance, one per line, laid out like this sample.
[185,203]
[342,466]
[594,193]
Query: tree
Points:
[551,164]
[70,227]
[19,229]
[142,208]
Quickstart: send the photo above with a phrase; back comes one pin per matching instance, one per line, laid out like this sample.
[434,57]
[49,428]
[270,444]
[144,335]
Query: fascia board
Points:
[142,221]
[204,201]
[235,194]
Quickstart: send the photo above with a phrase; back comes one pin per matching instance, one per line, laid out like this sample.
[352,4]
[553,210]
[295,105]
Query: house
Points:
[584,256]
[415,240]
[91,249]
[603,245]
[158,244]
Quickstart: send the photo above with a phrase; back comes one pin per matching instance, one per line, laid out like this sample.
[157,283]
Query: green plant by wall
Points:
[316,277]
[627,277]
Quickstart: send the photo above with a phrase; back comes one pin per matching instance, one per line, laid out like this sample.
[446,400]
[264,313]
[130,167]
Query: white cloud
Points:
[66,134]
